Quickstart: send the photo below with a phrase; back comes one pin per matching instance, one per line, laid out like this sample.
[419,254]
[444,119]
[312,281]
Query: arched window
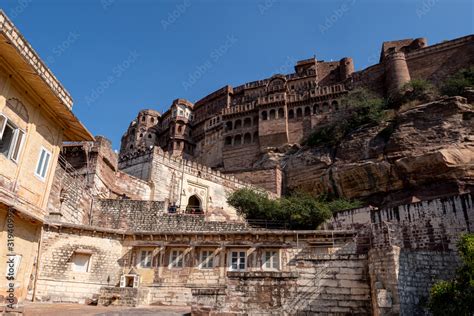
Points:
[237,124]
[228,126]
[228,141]
[335,105]
[152,120]
[194,205]
[141,135]
[281,113]
[247,122]
[264,115]
[180,129]
[237,140]
[272,114]
[291,114]
[299,112]
[131,146]
[149,136]
[247,138]
[255,121]
[325,107]
[307,111]
[143,118]
[315,109]
[255,137]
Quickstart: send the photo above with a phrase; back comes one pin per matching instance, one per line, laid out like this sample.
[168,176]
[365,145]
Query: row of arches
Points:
[273,114]
[239,123]
[299,112]
[238,139]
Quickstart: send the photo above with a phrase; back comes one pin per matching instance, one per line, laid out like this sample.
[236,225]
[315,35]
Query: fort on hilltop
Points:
[152,225]
[232,127]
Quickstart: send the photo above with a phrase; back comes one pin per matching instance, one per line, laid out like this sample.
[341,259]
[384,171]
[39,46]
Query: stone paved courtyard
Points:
[42,309]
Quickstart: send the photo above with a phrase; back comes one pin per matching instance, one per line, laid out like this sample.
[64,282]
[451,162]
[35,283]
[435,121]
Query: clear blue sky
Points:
[119,56]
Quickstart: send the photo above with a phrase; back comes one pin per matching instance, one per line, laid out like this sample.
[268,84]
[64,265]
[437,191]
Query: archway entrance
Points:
[194,205]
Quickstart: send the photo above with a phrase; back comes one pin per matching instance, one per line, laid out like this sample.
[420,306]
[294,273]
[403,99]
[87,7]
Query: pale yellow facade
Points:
[35,117]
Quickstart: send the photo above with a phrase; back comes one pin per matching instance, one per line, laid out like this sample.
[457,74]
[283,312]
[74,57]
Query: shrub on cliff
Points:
[418,90]
[363,108]
[456,297]
[455,84]
[300,210]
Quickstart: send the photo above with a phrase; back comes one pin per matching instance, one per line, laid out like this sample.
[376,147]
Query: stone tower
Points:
[141,132]
[396,71]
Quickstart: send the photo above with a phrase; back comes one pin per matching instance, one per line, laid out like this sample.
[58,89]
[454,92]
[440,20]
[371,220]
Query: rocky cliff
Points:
[424,152]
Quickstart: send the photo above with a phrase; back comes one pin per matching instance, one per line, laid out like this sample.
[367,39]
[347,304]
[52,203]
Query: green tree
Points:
[299,210]
[456,297]
[455,84]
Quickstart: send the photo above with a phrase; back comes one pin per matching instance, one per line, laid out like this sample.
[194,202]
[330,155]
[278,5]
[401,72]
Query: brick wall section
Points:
[152,216]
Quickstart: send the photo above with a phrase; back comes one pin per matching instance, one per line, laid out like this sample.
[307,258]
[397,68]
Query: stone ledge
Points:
[262,275]
[208,291]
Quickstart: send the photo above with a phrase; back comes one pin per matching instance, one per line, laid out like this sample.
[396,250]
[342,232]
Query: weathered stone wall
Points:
[86,172]
[316,281]
[153,216]
[57,282]
[70,198]
[433,224]
[176,180]
[413,246]
[271,179]
[401,278]
[456,54]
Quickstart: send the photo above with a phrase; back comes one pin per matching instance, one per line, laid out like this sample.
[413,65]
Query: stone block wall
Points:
[312,283]
[175,180]
[150,216]
[70,198]
[57,282]
[419,270]
[401,278]
[271,179]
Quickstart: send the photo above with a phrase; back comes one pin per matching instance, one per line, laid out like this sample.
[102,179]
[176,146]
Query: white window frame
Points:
[123,280]
[147,260]
[273,263]
[42,165]
[206,259]
[73,264]
[239,259]
[18,139]
[176,259]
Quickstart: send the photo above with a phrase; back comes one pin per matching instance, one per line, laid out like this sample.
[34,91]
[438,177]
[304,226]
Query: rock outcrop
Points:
[425,152]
